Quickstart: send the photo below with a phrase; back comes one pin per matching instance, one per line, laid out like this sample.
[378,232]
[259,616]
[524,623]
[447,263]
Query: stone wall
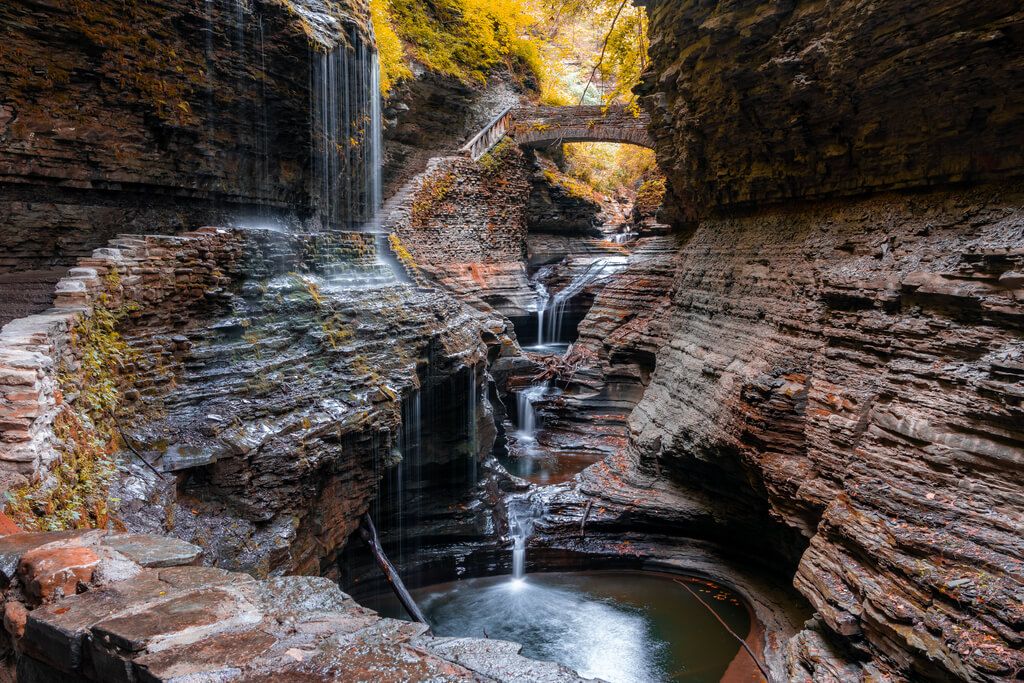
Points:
[847,367]
[157,117]
[464,223]
[163,276]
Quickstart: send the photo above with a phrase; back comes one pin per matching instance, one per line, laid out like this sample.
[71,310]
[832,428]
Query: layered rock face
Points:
[846,369]
[752,104]
[260,393]
[288,405]
[162,117]
[463,223]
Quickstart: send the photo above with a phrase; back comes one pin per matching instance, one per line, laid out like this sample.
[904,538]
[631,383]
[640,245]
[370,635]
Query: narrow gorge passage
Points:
[634,341]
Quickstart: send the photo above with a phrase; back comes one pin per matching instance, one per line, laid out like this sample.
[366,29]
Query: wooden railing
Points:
[494,131]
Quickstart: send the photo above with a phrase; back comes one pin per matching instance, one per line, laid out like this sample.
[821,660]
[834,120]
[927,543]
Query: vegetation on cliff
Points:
[551,46]
[76,494]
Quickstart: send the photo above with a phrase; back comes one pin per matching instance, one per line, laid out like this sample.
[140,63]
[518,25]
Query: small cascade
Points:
[410,440]
[471,423]
[381,270]
[623,237]
[527,413]
[386,256]
[523,511]
[595,272]
[542,305]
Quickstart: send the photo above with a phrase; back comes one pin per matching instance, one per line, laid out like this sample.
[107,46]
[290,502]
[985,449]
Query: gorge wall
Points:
[844,360]
[163,117]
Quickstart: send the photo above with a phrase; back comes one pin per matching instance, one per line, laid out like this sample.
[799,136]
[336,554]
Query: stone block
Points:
[56,633]
[185,617]
[217,658]
[154,551]
[14,546]
[55,571]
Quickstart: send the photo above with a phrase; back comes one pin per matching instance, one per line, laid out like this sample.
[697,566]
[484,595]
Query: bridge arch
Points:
[544,126]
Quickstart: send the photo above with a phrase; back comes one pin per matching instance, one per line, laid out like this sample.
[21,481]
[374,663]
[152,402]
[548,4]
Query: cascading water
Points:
[347,136]
[471,423]
[408,471]
[527,413]
[523,511]
[542,304]
[598,270]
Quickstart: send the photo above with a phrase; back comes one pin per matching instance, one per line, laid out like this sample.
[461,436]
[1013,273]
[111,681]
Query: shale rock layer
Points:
[753,102]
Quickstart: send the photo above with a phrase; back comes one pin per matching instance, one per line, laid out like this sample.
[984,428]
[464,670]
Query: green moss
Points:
[434,190]
[498,157]
[76,492]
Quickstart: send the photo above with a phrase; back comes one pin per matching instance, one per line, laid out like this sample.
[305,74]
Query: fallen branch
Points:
[586,514]
[368,532]
[126,442]
[743,643]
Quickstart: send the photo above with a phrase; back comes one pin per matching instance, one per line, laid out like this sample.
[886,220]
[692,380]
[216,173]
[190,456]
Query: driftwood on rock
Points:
[368,532]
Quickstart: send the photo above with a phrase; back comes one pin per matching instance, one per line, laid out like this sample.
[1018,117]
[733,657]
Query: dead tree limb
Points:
[743,643]
[604,47]
[368,532]
[126,442]
[586,514]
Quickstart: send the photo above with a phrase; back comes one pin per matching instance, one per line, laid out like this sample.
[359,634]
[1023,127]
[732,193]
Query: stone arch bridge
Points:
[542,126]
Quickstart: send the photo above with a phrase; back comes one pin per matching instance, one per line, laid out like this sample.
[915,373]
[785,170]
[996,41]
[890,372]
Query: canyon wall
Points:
[242,390]
[166,116]
[844,342]
[753,104]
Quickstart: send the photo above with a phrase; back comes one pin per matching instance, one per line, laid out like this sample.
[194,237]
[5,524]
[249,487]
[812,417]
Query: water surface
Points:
[621,626]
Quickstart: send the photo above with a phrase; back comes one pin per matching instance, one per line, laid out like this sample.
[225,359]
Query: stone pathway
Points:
[126,608]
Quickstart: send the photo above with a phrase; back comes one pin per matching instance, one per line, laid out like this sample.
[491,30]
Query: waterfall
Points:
[527,413]
[471,424]
[593,273]
[347,136]
[542,304]
[407,472]
[375,173]
[523,511]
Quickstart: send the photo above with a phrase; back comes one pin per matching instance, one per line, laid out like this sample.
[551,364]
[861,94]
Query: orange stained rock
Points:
[7,525]
[53,572]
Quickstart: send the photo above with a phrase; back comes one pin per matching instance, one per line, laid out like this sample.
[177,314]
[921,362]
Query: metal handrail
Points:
[482,142]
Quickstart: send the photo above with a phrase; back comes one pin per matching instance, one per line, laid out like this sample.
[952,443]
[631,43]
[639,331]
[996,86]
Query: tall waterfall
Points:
[347,137]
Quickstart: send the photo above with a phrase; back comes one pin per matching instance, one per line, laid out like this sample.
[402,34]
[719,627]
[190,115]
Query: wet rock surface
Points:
[134,623]
[160,117]
[273,416]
